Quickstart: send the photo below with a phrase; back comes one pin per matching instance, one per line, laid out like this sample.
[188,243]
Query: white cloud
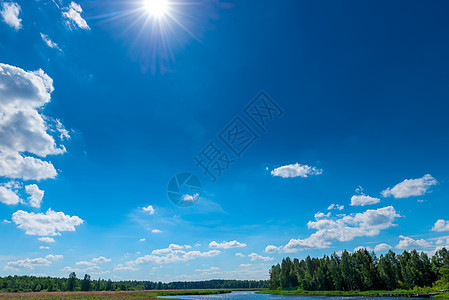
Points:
[149,209]
[257,257]
[14,165]
[211,269]
[226,245]
[121,267]
[72,14]
[36,195]
[79,270]
[382,247]
[245,265]
[54,257]
[320,215]
[46,239]
[31,263]
[411,187]
[44,247]
[174,253]
[142,240]
[441,225]
[239,254]
[50,43]
[188,197]
[23,128]
[409,243]
[336,206]
[10,14]
[85,263]
[296,170]
[345,228]
[48,224]
[8,196]
[362,200]
[156,231]
[362,248]
[101,260]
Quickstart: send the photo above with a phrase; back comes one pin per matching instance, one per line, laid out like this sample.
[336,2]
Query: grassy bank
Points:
[107,295]
[339,293]
[442,296]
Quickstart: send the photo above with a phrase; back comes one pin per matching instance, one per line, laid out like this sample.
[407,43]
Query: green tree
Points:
[71,283]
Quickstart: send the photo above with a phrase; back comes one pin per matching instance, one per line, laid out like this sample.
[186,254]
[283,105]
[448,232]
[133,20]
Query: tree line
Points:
[362,271]
[72,283]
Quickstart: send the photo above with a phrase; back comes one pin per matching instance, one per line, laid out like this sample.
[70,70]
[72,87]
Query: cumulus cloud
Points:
[362,248]
[362,200]
[44,247]
[345,228]
[54,257]
[142,240]
[257,257]
[411,187]
[23,127]
[320,215]
[36,195]
[156,231]
[49,42]
[49,224]
[239,254]
[409,243]
[149,209]
[46,239]
[10,14]
[336,206]
[14,165]
[72,16]
[382,247]
[101,259]
[173,253]
[441,225]
[226,245]
[31,263]
[8,196]
[296,170]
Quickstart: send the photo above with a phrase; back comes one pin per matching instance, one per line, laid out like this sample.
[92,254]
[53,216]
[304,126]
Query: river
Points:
[253,296]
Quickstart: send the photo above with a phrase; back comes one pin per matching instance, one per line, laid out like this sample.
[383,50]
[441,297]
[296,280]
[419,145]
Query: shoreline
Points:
[374,293]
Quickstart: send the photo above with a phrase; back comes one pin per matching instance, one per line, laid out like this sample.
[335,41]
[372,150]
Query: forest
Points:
[362,271]
[72,283]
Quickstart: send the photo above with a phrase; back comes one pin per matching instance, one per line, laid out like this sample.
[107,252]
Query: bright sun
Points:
[156,8]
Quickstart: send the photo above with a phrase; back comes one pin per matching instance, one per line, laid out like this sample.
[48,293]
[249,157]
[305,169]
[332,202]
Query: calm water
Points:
[253,296]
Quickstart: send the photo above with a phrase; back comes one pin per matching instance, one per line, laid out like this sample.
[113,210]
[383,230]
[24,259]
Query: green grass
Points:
[442,296]
[107,295]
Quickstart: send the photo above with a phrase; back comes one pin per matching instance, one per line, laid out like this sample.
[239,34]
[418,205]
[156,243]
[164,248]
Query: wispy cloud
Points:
[10,14]
[72,15]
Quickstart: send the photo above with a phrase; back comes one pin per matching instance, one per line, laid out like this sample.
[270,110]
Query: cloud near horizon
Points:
[345,228]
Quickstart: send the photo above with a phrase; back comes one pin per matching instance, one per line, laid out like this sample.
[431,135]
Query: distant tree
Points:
[86,284]
[71,283]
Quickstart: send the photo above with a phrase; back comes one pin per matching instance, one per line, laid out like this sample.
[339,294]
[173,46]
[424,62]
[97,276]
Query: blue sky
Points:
[103,102]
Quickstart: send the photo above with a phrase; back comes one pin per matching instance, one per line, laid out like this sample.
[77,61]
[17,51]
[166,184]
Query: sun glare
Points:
[156,8]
